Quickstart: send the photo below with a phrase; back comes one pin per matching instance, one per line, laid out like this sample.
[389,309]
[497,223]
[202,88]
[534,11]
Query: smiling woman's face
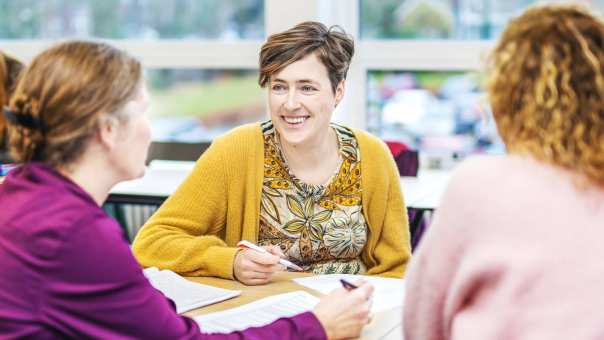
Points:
[301,100]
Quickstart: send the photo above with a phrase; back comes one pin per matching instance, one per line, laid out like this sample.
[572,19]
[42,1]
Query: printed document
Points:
[388,293]
[258,313]
[187,295]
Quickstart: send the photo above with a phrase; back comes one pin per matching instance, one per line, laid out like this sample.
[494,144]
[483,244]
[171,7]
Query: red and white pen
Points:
[249,245]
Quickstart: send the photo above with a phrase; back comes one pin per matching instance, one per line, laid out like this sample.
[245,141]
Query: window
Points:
[441,19]
[132,19]
[202,59]
[200,55]
[420,61]
[193,105]
[435,111]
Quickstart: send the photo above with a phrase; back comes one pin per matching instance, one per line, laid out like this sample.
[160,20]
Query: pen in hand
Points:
[249,245]
[348,285]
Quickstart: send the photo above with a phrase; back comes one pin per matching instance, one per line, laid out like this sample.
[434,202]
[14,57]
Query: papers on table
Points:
[257,313]
[186,294]
[388,293]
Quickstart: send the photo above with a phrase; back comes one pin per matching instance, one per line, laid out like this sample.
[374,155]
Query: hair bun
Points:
[27,134]
[25,120]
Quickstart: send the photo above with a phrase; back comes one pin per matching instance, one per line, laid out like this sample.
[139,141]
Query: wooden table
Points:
[385,325]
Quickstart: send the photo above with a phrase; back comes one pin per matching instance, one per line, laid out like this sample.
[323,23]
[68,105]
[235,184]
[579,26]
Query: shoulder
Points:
[90,229]
[237,143]
[376,159]
[72,215]
[94,237]
[473,169]
[480,169]
[50,222]
[247,133]
[484,178]
[73,235]
[474,165]
[371,146]
[367,139]
[507,175]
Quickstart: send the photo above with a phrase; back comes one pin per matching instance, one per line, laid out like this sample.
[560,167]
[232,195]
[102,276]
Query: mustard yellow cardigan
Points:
[195,231]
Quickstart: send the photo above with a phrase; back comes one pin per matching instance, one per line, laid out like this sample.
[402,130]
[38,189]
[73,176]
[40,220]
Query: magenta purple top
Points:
[66,271]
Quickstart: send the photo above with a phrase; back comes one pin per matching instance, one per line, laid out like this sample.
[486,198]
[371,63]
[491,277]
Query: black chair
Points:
[132,216]
[176,151]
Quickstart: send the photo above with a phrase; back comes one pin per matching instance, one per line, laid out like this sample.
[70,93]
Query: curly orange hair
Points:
[546,88]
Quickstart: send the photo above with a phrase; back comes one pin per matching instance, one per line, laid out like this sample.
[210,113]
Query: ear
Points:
[108,132]
[340,92]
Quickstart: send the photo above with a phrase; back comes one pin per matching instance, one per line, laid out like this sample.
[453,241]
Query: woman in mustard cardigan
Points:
[325,196]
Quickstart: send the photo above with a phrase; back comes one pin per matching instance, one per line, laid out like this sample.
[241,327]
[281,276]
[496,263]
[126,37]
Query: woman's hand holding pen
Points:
[343,312]
[255,268]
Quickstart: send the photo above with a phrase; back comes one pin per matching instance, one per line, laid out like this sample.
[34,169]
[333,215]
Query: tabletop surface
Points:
[384,325]
[163,177]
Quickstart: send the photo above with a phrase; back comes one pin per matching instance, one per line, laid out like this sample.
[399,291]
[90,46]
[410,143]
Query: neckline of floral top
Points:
[283,158]
[321,228]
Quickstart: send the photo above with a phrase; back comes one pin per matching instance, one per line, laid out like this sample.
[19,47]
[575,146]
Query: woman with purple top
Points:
[77,122]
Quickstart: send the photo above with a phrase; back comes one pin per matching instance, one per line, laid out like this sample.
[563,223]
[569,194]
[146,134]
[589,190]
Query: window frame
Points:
[401,55]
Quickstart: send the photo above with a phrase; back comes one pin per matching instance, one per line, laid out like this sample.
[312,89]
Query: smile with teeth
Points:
[295,120]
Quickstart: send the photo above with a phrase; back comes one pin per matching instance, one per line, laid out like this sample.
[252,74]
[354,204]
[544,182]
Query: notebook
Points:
[258,313]
[187,295]
[387,294]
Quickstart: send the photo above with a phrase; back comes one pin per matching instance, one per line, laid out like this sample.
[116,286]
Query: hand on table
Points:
[343,313]
[255,268]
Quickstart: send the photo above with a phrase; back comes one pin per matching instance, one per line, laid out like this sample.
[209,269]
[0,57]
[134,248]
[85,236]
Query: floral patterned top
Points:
[319,227]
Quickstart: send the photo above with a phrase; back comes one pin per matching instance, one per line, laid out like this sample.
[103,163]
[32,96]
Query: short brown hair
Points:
[333,47]
[546,88]
[9,72]
[64,91]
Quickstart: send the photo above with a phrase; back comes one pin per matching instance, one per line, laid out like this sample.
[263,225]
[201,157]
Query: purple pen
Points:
[348,285]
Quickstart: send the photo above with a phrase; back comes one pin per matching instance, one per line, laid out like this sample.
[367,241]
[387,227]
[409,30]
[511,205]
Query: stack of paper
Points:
[187,295]
[257,313]
[388,293]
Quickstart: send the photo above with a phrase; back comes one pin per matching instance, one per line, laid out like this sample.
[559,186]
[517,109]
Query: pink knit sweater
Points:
[516,251]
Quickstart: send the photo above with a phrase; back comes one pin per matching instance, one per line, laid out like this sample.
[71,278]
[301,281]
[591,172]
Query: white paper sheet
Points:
[187,295]
[388,293]
[258,313]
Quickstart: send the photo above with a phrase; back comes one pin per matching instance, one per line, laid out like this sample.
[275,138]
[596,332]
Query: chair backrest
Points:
[396,147]
[175,151]
[407,160]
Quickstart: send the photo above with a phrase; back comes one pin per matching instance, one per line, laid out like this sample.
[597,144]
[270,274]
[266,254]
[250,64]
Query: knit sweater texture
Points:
[196,230]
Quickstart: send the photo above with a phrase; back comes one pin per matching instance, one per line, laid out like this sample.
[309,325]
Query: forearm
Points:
[182,234]
[169,248]
[391,266]
[393,249]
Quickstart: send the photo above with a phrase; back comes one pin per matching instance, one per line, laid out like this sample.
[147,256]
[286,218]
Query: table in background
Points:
[159,182]
[163,177]
[422,193]
[384,325]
